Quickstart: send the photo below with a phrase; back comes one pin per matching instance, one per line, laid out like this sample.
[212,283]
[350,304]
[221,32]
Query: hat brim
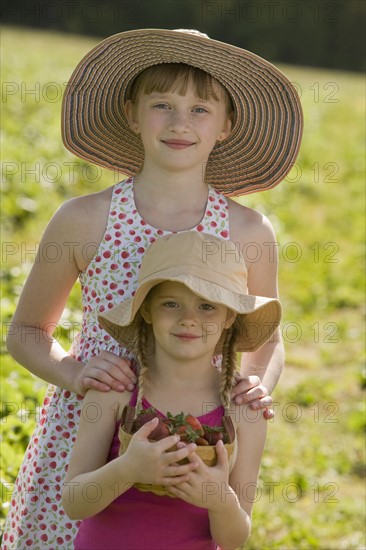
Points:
[264,141]
[257,317]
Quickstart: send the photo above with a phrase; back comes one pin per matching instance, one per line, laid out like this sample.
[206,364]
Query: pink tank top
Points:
[139,520]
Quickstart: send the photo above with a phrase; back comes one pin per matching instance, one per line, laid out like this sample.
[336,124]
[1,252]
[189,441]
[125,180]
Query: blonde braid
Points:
[141,340]
[228,365]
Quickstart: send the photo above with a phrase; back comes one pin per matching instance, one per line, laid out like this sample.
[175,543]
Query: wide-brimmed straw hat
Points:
[212,268]
[266,134]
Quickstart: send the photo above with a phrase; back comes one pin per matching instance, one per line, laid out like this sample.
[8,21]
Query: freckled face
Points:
[178,131]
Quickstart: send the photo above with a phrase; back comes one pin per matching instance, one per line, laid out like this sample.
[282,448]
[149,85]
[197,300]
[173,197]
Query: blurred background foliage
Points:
[305,32]
[311,489]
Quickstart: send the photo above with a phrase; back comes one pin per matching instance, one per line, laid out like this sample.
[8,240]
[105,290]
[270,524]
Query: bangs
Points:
[175,77]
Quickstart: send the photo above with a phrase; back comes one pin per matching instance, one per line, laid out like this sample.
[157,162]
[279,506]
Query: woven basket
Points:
[206,452]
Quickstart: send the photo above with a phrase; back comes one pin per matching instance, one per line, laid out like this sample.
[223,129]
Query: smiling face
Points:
[185,325]
[179,131]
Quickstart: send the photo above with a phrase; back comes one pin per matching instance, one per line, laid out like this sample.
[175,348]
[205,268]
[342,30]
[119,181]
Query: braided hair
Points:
[141,338]
[228,364]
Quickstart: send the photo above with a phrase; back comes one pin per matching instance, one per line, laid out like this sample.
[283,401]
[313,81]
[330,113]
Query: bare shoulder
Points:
[254,235]
[86,210]
[99,405]
[81,222]
[249,225]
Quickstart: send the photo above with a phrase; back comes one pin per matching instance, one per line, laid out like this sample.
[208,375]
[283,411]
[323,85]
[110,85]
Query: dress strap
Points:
[216,218]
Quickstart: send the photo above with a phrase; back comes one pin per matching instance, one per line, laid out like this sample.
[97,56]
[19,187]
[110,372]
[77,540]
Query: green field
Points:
[311,489]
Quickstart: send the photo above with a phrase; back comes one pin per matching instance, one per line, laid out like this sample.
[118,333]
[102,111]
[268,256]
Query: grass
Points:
[311,490]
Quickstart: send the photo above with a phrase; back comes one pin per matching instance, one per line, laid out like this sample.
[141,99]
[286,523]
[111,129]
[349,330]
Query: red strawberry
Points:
[213,437]
[213,434]
[194,423]
[186,433]
[162,429]
[187,420]
[143,417]
[182,432]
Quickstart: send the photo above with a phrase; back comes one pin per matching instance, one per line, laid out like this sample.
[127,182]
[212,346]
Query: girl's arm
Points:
[91,482]
[230,521]
[62,254]
[257,241]
[267,362]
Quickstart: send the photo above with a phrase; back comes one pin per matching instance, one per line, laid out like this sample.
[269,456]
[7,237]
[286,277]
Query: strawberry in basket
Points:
[187,426]
[162,429]
[214,434]
[189,429]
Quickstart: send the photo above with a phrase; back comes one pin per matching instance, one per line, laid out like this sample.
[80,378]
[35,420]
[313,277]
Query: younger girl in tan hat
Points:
[189,305]
[190,121]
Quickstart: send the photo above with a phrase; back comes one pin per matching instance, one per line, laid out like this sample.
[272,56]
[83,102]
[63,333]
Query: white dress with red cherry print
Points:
[36,519]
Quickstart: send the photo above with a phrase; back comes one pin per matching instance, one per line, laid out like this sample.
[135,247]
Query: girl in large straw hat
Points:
[189,305]
[190,121]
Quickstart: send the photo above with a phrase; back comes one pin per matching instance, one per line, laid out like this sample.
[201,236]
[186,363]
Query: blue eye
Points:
[161,106]
[200,110]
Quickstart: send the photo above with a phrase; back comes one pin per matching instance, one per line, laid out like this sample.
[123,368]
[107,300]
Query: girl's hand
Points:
[249,390]
[206,486]
[154,461]
[104,372]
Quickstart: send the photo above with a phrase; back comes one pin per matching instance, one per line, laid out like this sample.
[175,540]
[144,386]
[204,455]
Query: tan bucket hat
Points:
[266,135]
[211,267]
